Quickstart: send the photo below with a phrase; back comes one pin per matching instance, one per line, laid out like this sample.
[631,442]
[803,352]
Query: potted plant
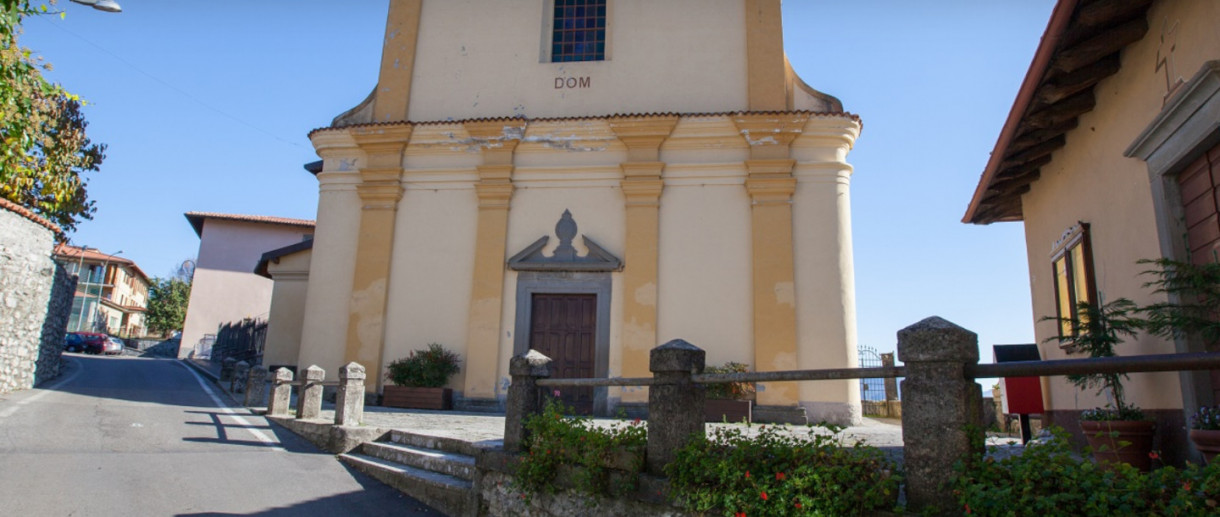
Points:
[419,379]
[1205,431]
[730,401]
[1118,432]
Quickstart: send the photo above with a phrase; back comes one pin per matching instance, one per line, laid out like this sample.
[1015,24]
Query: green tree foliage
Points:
[44,151]
[167,299]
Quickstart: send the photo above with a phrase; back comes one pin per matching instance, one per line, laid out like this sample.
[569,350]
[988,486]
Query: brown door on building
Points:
[562,327]
[1199,185]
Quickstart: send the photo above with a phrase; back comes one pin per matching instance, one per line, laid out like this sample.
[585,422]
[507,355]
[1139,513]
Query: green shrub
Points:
[556,440]
[779,473]
[429,368]
[1050,479]
[729,390]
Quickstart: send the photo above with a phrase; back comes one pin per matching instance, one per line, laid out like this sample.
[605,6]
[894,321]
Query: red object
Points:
[1022,395]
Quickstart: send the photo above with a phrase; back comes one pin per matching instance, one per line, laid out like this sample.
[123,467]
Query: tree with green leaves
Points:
[167,300]
[44,152]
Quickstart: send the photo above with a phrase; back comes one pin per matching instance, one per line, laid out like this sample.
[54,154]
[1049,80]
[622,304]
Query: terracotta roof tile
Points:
[196,219]
[29,214]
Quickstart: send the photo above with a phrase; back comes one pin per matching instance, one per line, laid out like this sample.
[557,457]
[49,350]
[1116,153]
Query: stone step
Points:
[450,495]
[436,443]
[449,463]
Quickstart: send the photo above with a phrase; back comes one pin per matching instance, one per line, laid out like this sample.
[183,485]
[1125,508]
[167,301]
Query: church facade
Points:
[589,178]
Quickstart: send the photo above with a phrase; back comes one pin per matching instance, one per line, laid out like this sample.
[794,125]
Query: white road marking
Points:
[261,436]
[40,392]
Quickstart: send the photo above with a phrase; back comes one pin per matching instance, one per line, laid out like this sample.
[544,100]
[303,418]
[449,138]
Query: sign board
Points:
[1022,395]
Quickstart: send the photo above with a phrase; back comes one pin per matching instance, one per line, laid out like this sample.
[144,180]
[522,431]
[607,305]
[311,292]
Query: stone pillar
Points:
[675,402]
[498,139]
[642,186]
[281,393]
[524,399]
[349,403]
[941,407]
[241,372]
[226,369]
[309,399]
[256,387]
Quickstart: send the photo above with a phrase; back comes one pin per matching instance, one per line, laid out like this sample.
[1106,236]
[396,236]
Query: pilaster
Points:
[642,187]
[498,140]
[770,184]
[379,189]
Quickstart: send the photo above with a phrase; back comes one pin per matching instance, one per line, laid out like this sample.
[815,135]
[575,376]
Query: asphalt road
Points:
[134,437]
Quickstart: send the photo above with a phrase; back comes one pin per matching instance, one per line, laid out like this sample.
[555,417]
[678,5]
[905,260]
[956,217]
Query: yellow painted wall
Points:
[431,273]
[290,279]
[1090,180]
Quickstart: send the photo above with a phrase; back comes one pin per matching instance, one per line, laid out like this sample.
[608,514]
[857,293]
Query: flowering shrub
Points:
[556,440]
[1050,479]
[429,368]
[780,473]
[729,390]
[1206,419]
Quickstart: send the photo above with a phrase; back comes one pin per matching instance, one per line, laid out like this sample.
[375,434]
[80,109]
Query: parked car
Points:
[92,342]
[114,346]
[74,343]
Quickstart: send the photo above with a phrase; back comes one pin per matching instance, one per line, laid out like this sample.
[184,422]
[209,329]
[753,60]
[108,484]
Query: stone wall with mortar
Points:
[35,299]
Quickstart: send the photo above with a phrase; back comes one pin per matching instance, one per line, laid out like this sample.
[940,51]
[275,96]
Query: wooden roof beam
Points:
[1033,137]
[1105,12]
[1062,111]
[1106,42]
[1077,81]
[1035,152]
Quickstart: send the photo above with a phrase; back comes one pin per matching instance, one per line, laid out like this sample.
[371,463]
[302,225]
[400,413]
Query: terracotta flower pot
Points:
[1207,441]
[1120,441]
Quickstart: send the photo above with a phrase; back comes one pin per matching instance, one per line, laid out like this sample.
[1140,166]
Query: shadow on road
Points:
[374,499]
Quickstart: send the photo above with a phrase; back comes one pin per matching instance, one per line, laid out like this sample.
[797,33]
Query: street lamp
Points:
[109,6]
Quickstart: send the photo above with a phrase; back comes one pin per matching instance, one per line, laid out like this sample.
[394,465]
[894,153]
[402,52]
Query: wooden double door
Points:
[563,327]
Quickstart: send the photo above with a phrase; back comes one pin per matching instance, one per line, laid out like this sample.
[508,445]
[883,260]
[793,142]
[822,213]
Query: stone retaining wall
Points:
[35,300]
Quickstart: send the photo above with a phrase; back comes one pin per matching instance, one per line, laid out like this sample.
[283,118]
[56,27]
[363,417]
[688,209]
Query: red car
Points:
[87,342]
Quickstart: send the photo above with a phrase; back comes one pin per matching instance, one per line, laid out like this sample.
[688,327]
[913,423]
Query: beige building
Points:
[590,179]
[111,292]
[225,288]
[1109,156]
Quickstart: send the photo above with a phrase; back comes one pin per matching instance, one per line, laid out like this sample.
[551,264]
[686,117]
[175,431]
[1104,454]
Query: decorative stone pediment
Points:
[564,258]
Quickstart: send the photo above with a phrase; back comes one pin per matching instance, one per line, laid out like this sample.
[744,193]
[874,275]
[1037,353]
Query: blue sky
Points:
[205,106]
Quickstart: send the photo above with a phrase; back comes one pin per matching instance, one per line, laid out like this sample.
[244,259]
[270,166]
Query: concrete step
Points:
[448,463]
[448,494]
[436,443]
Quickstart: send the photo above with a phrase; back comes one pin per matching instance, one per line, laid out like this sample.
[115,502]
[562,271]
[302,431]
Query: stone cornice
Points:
[642,191]
[497,139]
[643,136]
[770,134]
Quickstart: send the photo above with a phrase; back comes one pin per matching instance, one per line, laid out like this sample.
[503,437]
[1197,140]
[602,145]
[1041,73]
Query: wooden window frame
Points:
[590,40]
[1076,237]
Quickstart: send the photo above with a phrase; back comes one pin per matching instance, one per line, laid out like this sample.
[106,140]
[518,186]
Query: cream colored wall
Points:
[225,288]
[431,274]
[703,291]
[469,67]
[290,277]
[324,331]
[1089,180]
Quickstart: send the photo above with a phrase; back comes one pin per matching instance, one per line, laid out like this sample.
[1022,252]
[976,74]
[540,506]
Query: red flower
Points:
[764,496]
[1154,455]
[779,476]
[1186,486]
[798,505]
[636,421]
[747,474]
[739,514]
[968,509]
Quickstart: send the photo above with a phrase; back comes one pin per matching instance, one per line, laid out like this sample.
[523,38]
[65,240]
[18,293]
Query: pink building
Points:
[225,288]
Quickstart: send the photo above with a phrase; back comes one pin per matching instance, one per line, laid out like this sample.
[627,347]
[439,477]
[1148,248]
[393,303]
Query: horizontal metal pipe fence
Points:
[1125,364]
[299,382]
